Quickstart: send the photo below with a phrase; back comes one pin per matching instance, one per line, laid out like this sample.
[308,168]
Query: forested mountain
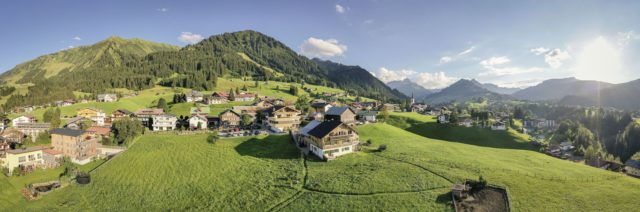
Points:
[408,88]
[358,80]
[463,90]
[501,90]
[136,64]
[622,96]
[556,89]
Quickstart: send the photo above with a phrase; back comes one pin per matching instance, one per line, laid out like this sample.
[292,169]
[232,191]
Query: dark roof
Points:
[125,111]
[228,110]
[319,104]
[633,163]
[67,132]
[274,109]
[338,110]
[324,128]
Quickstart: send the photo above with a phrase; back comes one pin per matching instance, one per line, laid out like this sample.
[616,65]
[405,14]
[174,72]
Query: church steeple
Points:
[413,100]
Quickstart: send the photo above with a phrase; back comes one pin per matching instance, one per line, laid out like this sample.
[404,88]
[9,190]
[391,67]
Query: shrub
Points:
[213,137]
[369,142]
[382,147]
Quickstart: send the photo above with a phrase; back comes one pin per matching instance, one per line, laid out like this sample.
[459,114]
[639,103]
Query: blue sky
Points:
[434,43]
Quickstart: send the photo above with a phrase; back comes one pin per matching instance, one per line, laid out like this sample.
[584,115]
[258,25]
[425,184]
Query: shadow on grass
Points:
[467,135]
[444,198]
[270,147]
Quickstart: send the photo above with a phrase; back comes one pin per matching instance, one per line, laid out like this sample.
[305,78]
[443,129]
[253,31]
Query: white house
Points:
[195,96]
[107,97]
[164,122]
[198,122]
[329,139]
[443,119]
[23,120]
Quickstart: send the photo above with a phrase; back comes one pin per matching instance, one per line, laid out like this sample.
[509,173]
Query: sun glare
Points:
[600,60]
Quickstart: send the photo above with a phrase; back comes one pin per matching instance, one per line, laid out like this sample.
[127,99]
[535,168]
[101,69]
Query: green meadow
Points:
[170,172]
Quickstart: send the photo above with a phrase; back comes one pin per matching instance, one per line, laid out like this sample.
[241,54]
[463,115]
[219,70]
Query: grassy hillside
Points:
[112,49]
[267,173]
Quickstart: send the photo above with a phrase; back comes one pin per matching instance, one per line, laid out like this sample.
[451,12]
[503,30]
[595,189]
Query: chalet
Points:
[367,115]
[539,123]
[228,119]
[70,102]
[467,122]
[76,122]
[217,98]
[146,115]
[419,107]
[343,114]
[164,122]
[321,107]
[198,122]
[632,167]
[283,118]
[78,145]
[107,97]
[23,120]
[100,132]
[263,104]
[29,158]
[330,139]
[273,101]
[33,129]
[369,105]
[119,114]
[245,97]
[204,111]
[433,111]
[195,96]
[12,135]
[94,114]
[499,125]
[391,107]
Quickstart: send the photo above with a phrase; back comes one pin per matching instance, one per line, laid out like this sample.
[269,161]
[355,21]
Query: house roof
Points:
[150,111]
[367,113]
[52,152]
[319,104]
[99,130]
[633,163]
[75,119]
[123,111]
[313,124]
[67,132]
[25,150]
[338,110]
[324,128]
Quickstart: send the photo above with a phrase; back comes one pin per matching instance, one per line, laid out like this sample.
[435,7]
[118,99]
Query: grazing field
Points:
[427,126]
[170,172]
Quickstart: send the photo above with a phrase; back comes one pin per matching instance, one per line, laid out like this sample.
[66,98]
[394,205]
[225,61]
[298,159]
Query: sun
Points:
[600,60]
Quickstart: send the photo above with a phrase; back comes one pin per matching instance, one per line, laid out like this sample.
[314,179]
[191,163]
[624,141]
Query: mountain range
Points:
[409,88]
[464,90]
[137,64]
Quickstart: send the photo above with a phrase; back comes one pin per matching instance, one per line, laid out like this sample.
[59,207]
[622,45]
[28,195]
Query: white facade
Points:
[443,119]
[108,97]
[164,122]
[194,121]
[335,152]
[499,126]
[99,118]
[21,120]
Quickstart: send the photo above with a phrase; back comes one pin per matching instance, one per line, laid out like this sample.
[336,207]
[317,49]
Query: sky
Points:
[433,43]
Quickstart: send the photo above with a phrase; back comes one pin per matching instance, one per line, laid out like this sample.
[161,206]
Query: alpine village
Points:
[241,122]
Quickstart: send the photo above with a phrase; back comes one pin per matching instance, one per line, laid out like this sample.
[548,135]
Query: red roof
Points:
[99,130]
[52,152]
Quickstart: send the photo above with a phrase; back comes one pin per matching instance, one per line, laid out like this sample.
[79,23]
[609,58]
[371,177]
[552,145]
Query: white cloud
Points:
[77,38]
[555,58]
[467,51]
[445,59]
[448,59]
[340,9]
[189,37]
[624,38]
[314,47]
[495,67]
[424,79]
[519,84]
[162,9]
[494,61]
[539,50]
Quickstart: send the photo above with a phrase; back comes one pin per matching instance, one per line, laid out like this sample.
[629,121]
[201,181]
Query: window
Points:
[32,157]
[346,149]
[39,155]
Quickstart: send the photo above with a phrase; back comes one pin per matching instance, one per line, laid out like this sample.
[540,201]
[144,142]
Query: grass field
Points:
[170,172]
